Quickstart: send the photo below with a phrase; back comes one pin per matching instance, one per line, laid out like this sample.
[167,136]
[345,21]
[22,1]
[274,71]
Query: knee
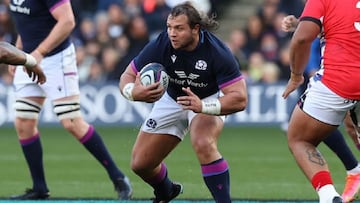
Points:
[204,146]
[25,128]
[138,167]
[68,125]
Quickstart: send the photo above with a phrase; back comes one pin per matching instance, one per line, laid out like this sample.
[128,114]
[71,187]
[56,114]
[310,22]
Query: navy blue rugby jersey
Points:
[205,70]
[34,22]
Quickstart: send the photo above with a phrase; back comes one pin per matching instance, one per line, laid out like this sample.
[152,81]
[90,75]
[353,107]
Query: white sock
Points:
[327,193]
[354,171]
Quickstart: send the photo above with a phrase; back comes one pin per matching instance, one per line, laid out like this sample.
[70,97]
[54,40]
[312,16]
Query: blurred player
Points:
[205,84]
[44,28]
[335,141]
[13,56]
[332,91]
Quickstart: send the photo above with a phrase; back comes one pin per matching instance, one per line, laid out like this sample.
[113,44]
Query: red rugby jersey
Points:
[341,51]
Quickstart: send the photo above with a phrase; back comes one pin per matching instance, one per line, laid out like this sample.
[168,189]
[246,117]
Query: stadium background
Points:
[108,34]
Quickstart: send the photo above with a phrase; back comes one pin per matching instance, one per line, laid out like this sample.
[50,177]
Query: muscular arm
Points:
[135,90]
[11,55]
[234,99]
[127,77]
[62,29]
[14,56]
[300,46]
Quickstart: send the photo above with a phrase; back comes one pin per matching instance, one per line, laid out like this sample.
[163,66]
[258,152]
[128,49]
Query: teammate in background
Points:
[13,56]
[332,91]
[205,84]
[44,28]
[335,141]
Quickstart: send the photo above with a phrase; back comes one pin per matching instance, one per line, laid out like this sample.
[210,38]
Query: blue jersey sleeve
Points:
[148,55]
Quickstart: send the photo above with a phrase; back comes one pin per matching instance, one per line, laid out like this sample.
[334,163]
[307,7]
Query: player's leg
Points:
[164,128]
[148,154]
[336,142]
[352,130]
[27,112]
[352,185]
[29,101]
[204,132]
[63,89]
[68,112]
[303,138]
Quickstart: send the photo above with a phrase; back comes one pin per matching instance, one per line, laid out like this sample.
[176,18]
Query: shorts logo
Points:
[151,123]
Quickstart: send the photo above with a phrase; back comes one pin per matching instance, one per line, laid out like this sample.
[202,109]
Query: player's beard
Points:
[187,45]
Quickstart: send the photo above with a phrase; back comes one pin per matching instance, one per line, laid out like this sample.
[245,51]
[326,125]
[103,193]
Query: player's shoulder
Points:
[162,39]
[217,47]
[214,41]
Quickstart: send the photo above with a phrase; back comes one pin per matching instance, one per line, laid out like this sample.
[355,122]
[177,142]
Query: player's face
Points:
[180,34]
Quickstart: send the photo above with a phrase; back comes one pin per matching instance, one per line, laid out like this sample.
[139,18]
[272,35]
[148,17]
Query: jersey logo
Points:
[15,6]
[173,58]
[18,2]
[200,65]
[182,74]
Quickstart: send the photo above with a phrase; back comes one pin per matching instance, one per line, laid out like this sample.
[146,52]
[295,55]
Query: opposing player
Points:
[12,56]
[205,84]
[332,91]
[335,141]
[44,28]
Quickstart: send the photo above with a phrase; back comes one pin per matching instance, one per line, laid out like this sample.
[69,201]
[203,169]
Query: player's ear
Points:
[196,29]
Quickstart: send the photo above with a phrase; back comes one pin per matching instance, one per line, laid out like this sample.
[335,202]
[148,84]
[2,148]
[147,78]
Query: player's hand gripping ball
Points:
[152,73]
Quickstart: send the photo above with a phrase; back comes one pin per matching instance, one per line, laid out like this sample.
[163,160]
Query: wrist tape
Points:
[30,61]
[211,106]
[127,91]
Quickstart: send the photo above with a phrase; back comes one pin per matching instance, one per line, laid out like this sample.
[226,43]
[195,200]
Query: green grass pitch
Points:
[261,165]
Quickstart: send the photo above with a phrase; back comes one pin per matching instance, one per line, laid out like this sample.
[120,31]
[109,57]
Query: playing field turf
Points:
[261,166]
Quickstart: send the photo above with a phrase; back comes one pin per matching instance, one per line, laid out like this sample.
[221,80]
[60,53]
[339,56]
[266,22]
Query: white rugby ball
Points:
[152,73]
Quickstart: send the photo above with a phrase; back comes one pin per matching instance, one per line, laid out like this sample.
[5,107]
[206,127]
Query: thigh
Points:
[167,117]
[24,86]
[150,149]
[62,76]
[305,128]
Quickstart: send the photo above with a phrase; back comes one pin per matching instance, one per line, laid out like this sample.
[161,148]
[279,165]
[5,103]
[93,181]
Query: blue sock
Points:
[94,144]
[161,183]
[216,176]
[336,142]
[32,150]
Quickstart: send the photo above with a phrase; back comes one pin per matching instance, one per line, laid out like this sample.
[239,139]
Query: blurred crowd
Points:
[261,47]
[109,33]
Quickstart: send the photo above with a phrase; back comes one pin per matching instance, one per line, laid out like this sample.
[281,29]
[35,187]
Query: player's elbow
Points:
[241,102]
[5,55]
[70,23]
[302,39]
[238,102]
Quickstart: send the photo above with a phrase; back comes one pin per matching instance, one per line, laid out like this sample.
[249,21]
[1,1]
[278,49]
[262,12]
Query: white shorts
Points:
[62,79]
[168,117]
[321,103]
